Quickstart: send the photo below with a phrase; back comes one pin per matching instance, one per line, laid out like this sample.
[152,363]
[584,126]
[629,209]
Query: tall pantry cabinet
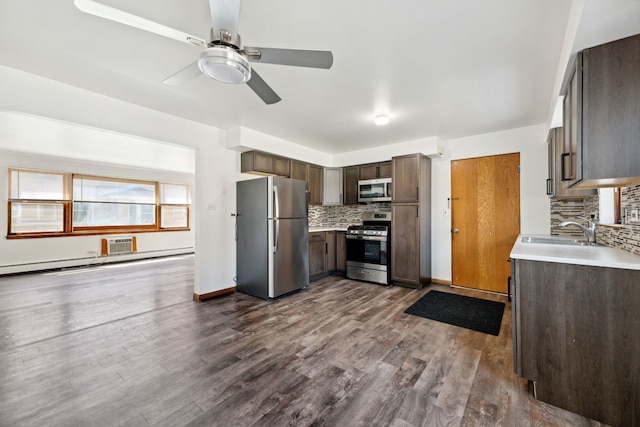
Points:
[411,224]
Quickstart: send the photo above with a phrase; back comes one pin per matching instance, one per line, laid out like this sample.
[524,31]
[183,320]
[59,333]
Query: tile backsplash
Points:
[342,216]
[625,236]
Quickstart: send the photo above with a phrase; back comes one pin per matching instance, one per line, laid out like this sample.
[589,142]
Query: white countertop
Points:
[328,228]
[599,256]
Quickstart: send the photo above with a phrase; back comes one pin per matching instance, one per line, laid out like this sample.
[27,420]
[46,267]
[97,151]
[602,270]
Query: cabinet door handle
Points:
[563,169]
[418,193]
[549,187]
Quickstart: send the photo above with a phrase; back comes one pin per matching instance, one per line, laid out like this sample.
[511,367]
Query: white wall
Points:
[40,143]
[427,146]
[530,142]
[244,139]
[216,168]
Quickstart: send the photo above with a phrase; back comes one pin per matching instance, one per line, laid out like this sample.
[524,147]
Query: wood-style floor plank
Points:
[125,345]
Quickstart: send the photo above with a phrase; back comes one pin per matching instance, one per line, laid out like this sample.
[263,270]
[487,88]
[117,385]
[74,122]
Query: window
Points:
[37,201]
[174,205]
[609,209]
[55,203]
[102,202]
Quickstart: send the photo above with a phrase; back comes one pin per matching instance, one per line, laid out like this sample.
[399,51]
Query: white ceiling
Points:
[440,68]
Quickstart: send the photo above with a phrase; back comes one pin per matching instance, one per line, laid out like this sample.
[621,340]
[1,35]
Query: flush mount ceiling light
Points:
[381,119]
[225,65]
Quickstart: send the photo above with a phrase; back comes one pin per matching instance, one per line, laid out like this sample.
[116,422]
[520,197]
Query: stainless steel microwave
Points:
[374,190]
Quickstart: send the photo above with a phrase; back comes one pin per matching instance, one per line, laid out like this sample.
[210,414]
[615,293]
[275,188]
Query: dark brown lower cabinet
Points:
[317,254]
[330,250]
[327,253]
[341,251]
[405,254]
[575,336]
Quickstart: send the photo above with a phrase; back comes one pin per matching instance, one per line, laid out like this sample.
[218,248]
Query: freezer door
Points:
[289,198]
[290,256]
[252,235]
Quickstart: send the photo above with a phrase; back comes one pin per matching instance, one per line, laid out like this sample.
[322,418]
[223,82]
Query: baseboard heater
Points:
[119,245]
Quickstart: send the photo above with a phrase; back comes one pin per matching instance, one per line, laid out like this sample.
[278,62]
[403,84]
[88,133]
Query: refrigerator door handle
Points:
[276,209]
[276,202]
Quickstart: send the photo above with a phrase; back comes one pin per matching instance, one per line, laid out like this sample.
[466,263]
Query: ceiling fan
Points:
[223,58]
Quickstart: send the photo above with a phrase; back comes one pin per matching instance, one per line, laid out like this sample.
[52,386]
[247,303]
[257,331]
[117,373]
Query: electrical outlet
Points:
[634,215]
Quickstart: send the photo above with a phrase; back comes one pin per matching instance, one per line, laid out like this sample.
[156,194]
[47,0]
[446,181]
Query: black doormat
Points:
[459,310]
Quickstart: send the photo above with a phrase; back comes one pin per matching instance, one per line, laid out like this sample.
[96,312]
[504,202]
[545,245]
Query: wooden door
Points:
[485,220]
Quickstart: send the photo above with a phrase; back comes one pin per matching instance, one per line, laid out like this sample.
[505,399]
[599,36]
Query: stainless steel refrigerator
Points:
[272,236]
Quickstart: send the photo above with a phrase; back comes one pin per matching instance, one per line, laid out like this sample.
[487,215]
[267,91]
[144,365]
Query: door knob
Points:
[455,230]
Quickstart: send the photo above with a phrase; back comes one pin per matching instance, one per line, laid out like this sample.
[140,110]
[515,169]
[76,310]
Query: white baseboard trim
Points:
[89,261]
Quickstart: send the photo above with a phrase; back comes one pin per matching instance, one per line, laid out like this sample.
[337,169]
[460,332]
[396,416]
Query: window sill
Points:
[90,233]
[611,225]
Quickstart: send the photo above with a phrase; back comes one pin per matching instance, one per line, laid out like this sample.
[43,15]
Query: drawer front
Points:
[317,236]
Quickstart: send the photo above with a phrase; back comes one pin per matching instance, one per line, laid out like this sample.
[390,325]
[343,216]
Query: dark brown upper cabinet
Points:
[264,164]
[375,170]
[556,187]
[299,170]
[351,175]
[315,184]
[602,107]
[406,178]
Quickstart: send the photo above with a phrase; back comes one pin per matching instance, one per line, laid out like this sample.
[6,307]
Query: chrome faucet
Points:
[589,231]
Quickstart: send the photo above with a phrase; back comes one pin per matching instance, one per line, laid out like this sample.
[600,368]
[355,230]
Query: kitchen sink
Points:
[552,240]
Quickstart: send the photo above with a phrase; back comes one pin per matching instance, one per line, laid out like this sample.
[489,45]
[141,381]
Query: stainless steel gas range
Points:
[368,248]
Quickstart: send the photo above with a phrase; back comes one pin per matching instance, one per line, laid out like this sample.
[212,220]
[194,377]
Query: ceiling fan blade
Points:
[295,57]
[262,89]
[225,15]
[107,12]
[188,73]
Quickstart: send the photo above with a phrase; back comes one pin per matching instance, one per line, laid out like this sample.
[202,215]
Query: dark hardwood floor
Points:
[125,345]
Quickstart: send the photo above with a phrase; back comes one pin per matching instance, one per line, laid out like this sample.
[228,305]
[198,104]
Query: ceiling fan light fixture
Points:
[381,119]
[225,65]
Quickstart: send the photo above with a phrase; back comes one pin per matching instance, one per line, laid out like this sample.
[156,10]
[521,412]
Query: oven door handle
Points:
[374,238]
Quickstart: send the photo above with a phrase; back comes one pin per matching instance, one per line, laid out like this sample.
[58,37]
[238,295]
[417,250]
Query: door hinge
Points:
[518,168]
